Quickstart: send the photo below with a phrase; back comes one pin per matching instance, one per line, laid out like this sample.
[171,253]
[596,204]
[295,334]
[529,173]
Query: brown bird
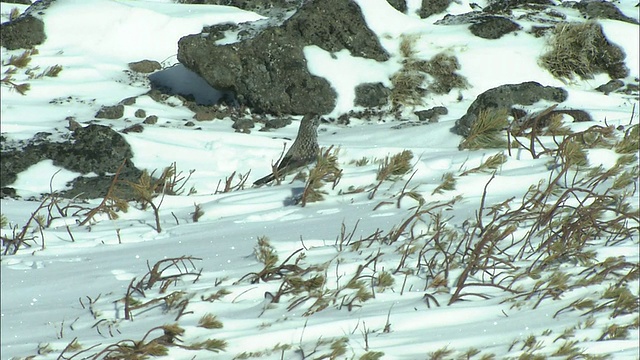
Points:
[302,152]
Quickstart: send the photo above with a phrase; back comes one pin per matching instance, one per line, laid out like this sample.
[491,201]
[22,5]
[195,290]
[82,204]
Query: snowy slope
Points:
[72,280]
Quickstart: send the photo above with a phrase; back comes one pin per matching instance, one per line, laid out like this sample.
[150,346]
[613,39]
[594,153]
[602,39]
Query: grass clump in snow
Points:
[448,184]
[418,77]
[487,130]
[407,88]
[492,164]
[395,166]
[442,68]
[147,188]
[14,14]
[582,49]
[209,321]
[325,171]
[21,62]
[392,168]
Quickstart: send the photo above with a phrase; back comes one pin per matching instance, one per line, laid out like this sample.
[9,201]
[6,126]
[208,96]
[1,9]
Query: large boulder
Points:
[506,96]
[267,69]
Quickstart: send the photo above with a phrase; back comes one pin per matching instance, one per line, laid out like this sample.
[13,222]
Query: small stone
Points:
[204,115]
[151,119]
[137,128]
[432,114]
[128,101]
[610,87]
[145,66]
[140,113]
[243,125]
[493,27]
[110,112]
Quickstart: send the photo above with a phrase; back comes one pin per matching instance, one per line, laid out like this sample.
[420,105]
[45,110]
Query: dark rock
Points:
[505,6]
[268,72]
[610,87]
[596,9]
[372,95]
[110,112]
[431,7]
[577,115]
[93,149]
[145,66]
[128,101]
[400,5]
[540,31]
[204,115]
[631,89]
[276,123]
[493,27]
[432,114]
[23,2]
[506,96]
[8,192]
[243,125]
[73,124]
[140,113]
[137,128]
[460,19]
[92,187]
[151,119]
[24,32]
[258,6]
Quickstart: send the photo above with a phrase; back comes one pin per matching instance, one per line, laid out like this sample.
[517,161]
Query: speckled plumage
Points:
[302,152]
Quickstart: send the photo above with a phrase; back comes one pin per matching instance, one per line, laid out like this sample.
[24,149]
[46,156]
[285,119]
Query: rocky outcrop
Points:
[506,96]
[431,7]
[372,95]
[481,24]
[400,5]
[24,32]
[258,6]
[267,70]
[493,27]
[93,149]
[110,112]
[596,9]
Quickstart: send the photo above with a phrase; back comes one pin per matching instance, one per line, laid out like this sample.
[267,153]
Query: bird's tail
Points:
[267,179]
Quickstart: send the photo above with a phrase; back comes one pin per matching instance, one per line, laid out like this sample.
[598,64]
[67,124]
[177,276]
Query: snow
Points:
[72,281]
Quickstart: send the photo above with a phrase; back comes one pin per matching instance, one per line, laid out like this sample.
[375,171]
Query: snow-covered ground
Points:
[73,281]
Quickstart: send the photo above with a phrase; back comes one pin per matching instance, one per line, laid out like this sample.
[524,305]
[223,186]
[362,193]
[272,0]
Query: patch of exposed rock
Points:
[505,6]
[506,96]
[27,30]
[597,9]
[431,7]
[372,95]
[267,69]
[400,5]
[92,150]
[481,24]
[22,33]
[257,6]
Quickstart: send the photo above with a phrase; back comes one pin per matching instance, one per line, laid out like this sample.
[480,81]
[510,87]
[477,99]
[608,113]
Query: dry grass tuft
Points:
[486,131]
[582,49]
